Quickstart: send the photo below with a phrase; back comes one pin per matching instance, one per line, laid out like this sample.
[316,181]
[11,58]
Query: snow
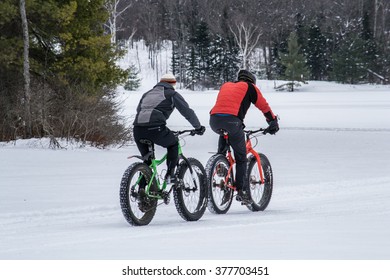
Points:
[330,202]
[331,189]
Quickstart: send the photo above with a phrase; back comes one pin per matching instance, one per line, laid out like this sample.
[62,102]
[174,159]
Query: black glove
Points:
[273,126]
[199,130]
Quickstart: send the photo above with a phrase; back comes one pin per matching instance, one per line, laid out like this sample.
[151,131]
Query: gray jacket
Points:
[157,105]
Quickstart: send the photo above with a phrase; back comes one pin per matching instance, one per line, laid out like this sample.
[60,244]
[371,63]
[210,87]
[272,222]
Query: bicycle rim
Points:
[191,193]
[220,195]
[260,193]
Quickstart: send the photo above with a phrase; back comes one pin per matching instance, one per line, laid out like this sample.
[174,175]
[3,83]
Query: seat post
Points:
[150,154]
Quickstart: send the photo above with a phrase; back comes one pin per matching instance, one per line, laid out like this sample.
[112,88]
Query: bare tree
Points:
[246,37]
[116,8]
[381,12]
[26,69]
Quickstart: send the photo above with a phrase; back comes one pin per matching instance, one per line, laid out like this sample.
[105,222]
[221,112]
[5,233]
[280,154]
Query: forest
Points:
[58,71]
[340,40]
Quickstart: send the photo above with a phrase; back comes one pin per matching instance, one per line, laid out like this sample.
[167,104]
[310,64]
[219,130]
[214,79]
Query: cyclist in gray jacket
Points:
[153,110]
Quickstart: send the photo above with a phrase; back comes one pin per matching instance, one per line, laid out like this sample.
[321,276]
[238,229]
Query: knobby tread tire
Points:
[262,199]
[125,195]
[213,203]
[183,198]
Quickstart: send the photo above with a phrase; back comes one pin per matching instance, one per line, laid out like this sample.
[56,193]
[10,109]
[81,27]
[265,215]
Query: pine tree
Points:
[133,82]
[296,69]
[369,48]
[178,60]
[350,61]
[190,67]
[72,70]
[224,61]
[11,70]
[315,53]
[202,43]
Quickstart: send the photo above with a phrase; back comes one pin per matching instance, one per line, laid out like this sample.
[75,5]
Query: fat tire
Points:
[214,193]
[133,215]
[189,204]
[260,194]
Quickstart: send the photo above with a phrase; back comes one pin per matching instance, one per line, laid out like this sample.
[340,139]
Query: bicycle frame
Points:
[153,166]
[249,150]
[231,161]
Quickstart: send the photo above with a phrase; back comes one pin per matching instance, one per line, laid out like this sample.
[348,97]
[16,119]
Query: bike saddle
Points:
[145,141]
[222,131]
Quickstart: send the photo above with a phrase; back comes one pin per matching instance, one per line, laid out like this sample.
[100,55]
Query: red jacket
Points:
[236,98]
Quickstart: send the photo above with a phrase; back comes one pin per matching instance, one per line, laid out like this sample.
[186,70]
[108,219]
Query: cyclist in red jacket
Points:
[228,113]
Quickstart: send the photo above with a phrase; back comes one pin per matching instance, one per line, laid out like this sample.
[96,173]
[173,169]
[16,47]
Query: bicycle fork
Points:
[249,149]
[192,175]
[230,174]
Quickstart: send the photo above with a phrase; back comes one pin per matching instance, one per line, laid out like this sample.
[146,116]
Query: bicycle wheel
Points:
[260,193]
[220,195]
[190,194]
[137,207]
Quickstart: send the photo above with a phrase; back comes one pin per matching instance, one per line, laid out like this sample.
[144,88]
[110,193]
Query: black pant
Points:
[234,127]
[162,136]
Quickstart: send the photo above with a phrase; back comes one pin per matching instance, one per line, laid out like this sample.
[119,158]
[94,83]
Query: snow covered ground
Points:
[328,218]
[331,162]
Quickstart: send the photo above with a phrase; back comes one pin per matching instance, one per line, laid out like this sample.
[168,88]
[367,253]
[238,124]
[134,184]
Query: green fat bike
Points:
[142,188]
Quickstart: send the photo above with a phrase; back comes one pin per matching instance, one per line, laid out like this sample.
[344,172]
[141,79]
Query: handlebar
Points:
[250,132]
[180,132]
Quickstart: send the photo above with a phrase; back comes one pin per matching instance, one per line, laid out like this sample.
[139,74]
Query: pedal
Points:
[143,203]
[134,193]
[243,201]
[166,197]
[226,197]
[141,194]
[246,202]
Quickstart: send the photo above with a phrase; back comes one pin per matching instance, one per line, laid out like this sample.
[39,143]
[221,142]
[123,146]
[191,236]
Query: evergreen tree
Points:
[294,62]
[277,49]
[348,61]
[300,31]
[231,61]
[72,67]
[178,60]
[202,46]
[217,62]
[354,53]
[224,61]
[316,53]
[370,53]
[206,59]
[190,68]
[133,82]
[11,70]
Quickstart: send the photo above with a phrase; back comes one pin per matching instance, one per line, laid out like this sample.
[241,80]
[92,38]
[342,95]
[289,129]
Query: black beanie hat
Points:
[245,75]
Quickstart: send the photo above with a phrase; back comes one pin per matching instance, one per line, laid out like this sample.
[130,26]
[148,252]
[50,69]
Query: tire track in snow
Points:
[347,129]
[292,204]
[60,216]
[285,194]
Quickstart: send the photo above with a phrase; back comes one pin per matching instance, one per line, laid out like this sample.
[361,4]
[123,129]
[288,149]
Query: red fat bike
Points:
[221,179]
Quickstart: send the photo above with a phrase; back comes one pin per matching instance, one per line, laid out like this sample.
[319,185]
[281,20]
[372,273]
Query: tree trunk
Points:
[375,17]
[26,70]
[246,39]
[266,64]
[112,8]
